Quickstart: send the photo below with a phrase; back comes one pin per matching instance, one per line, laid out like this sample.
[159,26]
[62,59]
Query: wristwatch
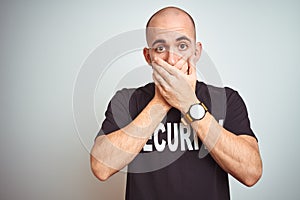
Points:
[196,112]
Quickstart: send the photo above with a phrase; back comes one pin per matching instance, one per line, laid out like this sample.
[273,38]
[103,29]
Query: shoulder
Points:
[128,93]
[147,89]
[219,100]
[133,100]
[211,91]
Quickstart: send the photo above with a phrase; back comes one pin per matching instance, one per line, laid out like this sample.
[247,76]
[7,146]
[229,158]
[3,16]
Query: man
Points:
[183,115]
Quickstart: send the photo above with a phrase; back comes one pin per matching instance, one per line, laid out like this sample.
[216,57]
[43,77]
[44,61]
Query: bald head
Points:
[171,36]
[171,16]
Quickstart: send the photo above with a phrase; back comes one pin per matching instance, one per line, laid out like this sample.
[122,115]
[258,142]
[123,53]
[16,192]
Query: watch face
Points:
[197,111]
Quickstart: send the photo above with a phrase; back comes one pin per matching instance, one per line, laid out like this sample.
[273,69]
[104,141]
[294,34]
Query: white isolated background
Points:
[254,45]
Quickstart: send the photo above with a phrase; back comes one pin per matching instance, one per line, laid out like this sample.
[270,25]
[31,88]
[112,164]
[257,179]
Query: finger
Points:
[166,66]
[185,68]
[159,84]
[192,70]
[158,79]
[182,65]
[160,89]
[155,80]
[192,67]
[162,72]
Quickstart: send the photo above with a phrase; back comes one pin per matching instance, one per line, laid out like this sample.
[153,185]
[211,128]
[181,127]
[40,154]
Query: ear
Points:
[147,55]
[198,51]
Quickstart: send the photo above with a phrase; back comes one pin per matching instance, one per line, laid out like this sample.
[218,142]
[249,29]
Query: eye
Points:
[160,49]
[182,46]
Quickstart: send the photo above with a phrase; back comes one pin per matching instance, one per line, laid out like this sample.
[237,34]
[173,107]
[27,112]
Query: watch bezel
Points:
[197,109]
[191,118]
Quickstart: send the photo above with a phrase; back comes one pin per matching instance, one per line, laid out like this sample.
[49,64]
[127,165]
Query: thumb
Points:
[192,70]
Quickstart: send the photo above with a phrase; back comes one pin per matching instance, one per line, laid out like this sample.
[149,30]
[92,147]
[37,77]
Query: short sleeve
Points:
[237,120]
[117,114]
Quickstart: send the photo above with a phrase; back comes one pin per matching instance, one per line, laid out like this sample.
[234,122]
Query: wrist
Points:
[185,108]
[196,112]
[161,104]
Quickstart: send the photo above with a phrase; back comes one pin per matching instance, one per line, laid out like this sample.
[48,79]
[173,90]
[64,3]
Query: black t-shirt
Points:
[174,164]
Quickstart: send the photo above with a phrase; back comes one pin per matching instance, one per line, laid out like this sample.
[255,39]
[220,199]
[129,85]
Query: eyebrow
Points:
[183,38]
[164,41]
[158,41]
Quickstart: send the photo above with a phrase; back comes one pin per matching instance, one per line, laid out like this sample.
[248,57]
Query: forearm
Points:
[237,155]
[114,151]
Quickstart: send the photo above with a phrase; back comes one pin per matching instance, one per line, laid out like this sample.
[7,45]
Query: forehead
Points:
[167,35]
[170,26]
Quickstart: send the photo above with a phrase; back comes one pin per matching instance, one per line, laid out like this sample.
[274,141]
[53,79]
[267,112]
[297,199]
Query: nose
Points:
[172,58]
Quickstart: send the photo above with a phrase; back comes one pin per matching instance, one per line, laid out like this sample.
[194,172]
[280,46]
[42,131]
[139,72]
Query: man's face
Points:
[170,45]
[171,38]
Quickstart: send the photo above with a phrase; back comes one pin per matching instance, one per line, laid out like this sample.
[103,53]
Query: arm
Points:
[237,155]
[114,151]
